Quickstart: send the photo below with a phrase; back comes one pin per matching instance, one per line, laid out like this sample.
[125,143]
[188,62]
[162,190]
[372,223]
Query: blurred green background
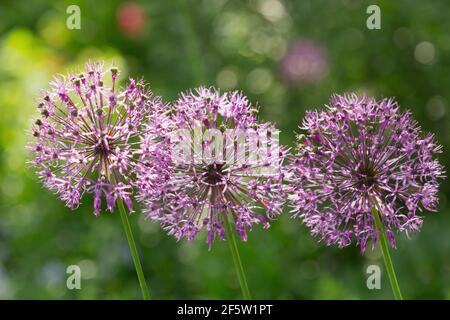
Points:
[177,45]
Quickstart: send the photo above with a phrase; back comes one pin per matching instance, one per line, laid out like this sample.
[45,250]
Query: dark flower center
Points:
[367,177]
[213,173]
[103,147]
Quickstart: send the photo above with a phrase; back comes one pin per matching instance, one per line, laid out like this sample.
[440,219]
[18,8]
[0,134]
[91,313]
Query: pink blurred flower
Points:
[304,62]
[131,19]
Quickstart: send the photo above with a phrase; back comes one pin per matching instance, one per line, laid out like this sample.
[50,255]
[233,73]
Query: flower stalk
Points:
[386,256]
[86,141]
[237,259]
[133,250]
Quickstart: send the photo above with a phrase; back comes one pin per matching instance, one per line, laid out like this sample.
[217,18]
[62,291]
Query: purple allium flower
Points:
[357,154]
[87,136]
[304,62]
[211,160]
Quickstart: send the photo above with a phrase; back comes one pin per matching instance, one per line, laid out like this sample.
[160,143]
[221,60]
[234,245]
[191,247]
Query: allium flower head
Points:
[304,62]
[357,154]
[86,136]
[211,160]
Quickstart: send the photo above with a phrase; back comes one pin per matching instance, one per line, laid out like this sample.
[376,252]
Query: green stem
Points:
[237,260]
[133,250]
[386,255]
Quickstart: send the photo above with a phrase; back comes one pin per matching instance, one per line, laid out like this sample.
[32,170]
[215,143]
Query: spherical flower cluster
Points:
[208,159]
[356,155]
[304,62]
[86,137]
